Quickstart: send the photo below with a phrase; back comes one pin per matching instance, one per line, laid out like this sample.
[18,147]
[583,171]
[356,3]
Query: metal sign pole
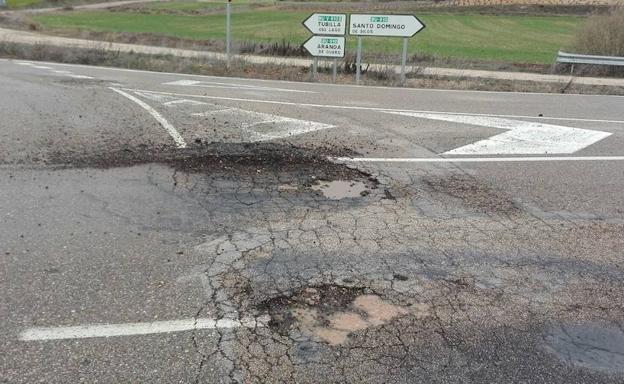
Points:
[335,71]
[358,63]
[403,59]
[228,34]
[314,68]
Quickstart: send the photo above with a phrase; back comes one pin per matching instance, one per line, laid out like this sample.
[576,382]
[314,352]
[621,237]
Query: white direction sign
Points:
[384,25]
[522,137]
[325,46]
[325,23]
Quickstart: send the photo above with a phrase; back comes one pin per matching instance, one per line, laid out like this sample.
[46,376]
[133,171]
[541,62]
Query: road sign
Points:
[325,46]
[384,25]
[325,23]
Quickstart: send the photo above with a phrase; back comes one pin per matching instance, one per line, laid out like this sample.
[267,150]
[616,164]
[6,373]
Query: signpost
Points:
[228,34]
[404,26]
[328,38]
[328,31]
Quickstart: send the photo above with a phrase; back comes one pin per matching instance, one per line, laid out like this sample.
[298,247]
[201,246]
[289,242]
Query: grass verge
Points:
[167,63]
[506,39]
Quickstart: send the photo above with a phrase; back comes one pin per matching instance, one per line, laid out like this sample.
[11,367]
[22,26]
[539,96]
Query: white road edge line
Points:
[472,159]
[165,124]
[130,329]
[376,109]
[86,66]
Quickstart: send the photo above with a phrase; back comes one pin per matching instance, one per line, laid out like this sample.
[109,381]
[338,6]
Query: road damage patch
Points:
[330,313]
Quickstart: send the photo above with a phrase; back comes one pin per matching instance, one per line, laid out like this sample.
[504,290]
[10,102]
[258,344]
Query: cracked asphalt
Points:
[378,272]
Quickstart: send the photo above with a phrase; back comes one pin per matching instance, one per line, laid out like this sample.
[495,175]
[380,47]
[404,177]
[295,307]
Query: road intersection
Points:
[175,228]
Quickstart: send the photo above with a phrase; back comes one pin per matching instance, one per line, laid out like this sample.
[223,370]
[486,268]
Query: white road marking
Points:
[130,329]
[79,76]
[40,67]
[184,101]
[211,113]
[522,138]
[264,126]
[362,108]
[165,124]
[215,84]
[472,159]
[62,72]
[25,63]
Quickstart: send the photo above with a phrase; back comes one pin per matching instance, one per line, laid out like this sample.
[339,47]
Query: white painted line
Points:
[523,137]
[130,329]
[80,76]
[40,67]
[355,107]
[244,87]
[25,63]
[472,159]
[184,101]
[62,72]
[165,124]
[211,113]
[264,126]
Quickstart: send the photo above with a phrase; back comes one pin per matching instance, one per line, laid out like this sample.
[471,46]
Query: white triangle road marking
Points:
[522,137]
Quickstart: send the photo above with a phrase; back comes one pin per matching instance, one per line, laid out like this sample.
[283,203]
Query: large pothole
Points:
[331,312]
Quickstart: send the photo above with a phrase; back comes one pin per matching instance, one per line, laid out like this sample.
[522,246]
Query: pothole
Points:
[341,189]
[590,346]
[331,313]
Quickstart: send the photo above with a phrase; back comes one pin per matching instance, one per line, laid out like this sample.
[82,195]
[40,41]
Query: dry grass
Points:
[469,3]
[167,63]
[603,34]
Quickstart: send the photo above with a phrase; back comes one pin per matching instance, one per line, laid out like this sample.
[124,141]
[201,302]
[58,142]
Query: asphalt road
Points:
[175,228]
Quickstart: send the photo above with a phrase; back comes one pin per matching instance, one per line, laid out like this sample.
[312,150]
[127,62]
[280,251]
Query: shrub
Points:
[602,34]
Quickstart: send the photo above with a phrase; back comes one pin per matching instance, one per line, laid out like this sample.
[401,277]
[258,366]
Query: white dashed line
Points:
[130,329]
[165,124]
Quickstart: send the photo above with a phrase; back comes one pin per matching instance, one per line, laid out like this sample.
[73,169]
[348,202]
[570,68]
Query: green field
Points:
[16,4]
[517,39]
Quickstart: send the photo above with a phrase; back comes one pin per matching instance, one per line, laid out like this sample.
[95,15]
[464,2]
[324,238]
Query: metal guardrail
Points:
[573,58]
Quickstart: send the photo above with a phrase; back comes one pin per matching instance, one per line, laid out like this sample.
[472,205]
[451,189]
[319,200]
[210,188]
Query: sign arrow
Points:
[326,23]
[384,25]
[325,46]
[522,137]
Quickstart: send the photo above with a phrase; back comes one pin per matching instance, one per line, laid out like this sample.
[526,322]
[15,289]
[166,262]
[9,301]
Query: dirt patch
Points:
[201,157]
[473,193]
[331,313]
[341,189]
